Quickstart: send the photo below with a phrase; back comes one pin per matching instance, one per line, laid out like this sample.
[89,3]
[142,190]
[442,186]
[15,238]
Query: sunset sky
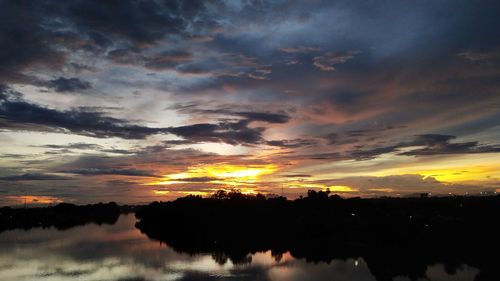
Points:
[135,101]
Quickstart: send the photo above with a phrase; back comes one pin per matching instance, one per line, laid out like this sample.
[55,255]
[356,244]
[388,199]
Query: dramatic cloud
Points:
[91,123]
[62,84]
[278,118]
[364,91]
[20,115]
[51,29]
[435,144]
[226,132]
[421,145]
[95,124]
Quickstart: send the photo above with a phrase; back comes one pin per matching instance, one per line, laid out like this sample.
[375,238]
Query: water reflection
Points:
[121,252]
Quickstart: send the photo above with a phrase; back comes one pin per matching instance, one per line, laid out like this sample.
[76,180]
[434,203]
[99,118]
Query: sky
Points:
[136,101]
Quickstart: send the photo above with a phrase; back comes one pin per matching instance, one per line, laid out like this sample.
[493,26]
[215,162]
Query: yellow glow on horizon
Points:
[453,169]
[452,174]
[461,175]
[223,174]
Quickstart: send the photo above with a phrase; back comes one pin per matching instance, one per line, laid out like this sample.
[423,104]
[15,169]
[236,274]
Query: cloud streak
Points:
[109,171]
[328,61]
[34,177]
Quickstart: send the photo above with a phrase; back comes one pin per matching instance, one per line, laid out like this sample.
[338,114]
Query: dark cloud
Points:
[62,84]
[231,132]
[79,145]
[58,152]
[432,144]
[338,139]
[177,142]
[323,156]
[118,151]
[295,143]
[298,176]
[263,116]
[138,21]
[15,156]
[24,41]
[226,132]
[371,131]
[33,177]
[80,67]
[198,179]
[370,153]
[351,136]
[65,148]
[420,145]
[301,49]
[269,117]
[43,33]
[22,115]
[435,144]
[166,60]
[110,171]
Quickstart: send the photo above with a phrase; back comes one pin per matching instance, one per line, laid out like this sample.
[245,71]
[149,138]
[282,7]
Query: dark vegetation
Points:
[61,216]
[395,236]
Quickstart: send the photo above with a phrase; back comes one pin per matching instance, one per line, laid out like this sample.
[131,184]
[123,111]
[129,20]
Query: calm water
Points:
[121,252]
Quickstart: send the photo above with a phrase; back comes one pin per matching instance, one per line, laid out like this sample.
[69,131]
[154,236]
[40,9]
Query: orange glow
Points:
[249,191]
[382,189]
[246,191]
[223,174]
[332,188]
[161,192]
[31,199]
[196,193]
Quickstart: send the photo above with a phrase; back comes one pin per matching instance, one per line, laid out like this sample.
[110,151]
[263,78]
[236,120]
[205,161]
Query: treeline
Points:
[319,214]
[396,236]
[61,216]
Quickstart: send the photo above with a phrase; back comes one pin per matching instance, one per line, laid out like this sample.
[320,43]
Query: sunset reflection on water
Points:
[121,252]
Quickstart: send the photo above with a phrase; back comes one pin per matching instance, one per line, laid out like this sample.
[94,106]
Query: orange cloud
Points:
[32,199]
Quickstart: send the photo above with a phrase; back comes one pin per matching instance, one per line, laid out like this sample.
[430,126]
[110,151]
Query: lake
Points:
[121,252]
